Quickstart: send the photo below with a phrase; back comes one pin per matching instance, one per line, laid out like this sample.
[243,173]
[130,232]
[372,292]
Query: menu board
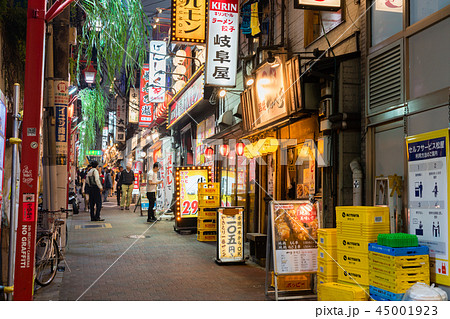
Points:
[428,192]
[294,236]
[230,243]
[187,180]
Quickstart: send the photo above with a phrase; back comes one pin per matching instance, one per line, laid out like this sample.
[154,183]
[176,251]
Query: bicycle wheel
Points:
[47,260]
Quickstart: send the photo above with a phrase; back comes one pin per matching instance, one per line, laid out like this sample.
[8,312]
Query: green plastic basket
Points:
[398,240]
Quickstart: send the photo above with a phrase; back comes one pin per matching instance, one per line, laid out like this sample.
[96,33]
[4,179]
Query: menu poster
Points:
[230,243]
[428,192]
[187,180]
[294,236]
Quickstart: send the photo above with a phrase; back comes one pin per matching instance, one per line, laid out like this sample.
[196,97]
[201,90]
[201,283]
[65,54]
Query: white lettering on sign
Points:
[27,175]
[23,248]
[221,6]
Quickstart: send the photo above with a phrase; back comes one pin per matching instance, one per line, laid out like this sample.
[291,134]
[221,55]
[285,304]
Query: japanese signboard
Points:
[331,5]
[61,102]
[223,36]
[121,113]
[179,106]
[145,107]
[187,179]
[389,6]
[269,96]
[136,183]
[230,231]
[294,236]
[157,76]
[94,153]
[168,160]
[105,138]
[189,21]
[133,110]
[428,193]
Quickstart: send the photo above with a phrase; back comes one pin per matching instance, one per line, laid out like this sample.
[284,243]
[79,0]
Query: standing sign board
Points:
[428,191]
[230,229]
[186,208]
[223,36]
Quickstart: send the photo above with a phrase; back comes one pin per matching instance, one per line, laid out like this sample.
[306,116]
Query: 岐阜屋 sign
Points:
[188,21]
[223,35]
[330,5]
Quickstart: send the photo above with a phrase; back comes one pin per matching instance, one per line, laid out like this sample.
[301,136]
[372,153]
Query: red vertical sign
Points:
[146,108]
[32,119]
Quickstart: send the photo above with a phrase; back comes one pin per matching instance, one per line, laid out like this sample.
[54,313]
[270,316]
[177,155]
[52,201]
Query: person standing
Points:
[126,180]
[95,189]
[108,184]
[118,185]
[85,188]
[152,184]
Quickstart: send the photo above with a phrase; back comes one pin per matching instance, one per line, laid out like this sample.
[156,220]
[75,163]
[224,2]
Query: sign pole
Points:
[32,120]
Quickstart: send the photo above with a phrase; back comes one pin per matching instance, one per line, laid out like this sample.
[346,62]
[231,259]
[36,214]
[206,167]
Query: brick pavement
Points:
[165,266]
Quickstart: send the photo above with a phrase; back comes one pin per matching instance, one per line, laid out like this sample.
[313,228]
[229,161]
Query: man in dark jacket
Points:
[119,185]
[127,181]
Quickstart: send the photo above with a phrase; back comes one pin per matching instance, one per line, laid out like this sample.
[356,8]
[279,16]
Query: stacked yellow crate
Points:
[326,256]
[333,291]
[357,226]
[208,202]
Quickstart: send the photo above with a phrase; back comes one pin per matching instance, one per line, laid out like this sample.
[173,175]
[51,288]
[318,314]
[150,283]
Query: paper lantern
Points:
[209,152]
[240,148]
[224,150]
[270,145]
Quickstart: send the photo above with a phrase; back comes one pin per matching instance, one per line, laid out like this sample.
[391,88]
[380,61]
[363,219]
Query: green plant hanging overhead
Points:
[117,31]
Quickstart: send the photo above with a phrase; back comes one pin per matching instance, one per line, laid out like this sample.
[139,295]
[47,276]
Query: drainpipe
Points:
[357,182]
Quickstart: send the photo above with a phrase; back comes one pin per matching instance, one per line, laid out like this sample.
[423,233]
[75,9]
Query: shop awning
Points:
[233,132]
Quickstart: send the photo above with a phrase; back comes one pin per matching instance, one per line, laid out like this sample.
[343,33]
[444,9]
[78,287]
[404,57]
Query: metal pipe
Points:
[13,208]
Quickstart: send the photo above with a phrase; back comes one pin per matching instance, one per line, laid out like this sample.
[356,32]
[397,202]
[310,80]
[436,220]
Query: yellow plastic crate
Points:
[204,202]
[206,235]
[397,261]
[326,237]
[324,279]
[353,259]
[354,244]
[362,215]
[334,291]
[393,279]
[399,287]
[209,188]
[399,271]
[327,254]
[327,268]
[369,232]
[351,274]
[292,282]
[206,224]
[207,214]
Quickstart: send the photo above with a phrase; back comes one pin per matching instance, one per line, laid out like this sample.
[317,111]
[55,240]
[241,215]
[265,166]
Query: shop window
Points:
[318,21]
[300,172]
[385,20]
[420,9]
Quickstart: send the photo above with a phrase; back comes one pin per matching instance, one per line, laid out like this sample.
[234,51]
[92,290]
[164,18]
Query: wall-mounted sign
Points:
[133,110]
[187,179]
[223,35]
[145,107]
[294,227]
[104,138]
[189,21]
[61,103]
[157,77]
[428,180]
[94,153]
[331,5]
[121,113]
[270,103]
[179,106]
[389,6]
[230,231]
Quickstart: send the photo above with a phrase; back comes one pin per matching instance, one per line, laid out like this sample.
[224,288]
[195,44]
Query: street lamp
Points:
[89,74]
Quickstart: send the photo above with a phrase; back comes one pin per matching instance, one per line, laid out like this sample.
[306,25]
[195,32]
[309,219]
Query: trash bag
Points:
[422,292]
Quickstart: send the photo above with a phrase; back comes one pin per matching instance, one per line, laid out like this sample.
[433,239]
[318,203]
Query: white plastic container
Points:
[422,292]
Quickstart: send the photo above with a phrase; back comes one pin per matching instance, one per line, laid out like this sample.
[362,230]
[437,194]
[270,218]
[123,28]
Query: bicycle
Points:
[48,247]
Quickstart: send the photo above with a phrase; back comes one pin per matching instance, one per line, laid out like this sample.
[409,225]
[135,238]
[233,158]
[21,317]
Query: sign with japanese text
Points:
[331,5]
[157,75]
[94,153]
[230,231]
[223,36]
[187,179]
[389,6]
[136,183]
[133,110]
[189,21]
[188,99]
[121,113]
[61,102]
[428,162]
[294,236]
[145,107]
[105,138]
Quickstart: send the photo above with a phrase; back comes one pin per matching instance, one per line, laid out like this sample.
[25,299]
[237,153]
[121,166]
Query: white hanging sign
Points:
[157,64]
[223,35]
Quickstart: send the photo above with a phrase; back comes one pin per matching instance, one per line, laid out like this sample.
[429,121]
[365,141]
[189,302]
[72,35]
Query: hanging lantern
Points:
[258,148]
[89,74]
[240,148]
[209,152]
[270,145]
[224,150]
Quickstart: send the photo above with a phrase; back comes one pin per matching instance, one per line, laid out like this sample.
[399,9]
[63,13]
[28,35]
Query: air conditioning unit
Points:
[325,107]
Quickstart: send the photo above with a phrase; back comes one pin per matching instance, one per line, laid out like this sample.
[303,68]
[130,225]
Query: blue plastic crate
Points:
[400,251]
[378,298]
[387,295]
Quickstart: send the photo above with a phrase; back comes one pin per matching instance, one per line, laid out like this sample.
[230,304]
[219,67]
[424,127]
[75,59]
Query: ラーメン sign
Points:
[230,230]
[223,35]
[189,21]
[157,78]
[331,5]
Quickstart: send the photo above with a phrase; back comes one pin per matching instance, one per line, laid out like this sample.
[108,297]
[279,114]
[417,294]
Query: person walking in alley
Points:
[118,185]
[108,184]
[126,180]
[95,189]
[152,183]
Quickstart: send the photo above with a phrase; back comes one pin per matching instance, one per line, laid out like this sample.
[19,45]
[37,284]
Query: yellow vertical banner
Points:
[428,194]
[189,21]
[254,19]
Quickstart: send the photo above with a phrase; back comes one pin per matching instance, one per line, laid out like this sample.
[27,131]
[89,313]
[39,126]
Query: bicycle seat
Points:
[59,222]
